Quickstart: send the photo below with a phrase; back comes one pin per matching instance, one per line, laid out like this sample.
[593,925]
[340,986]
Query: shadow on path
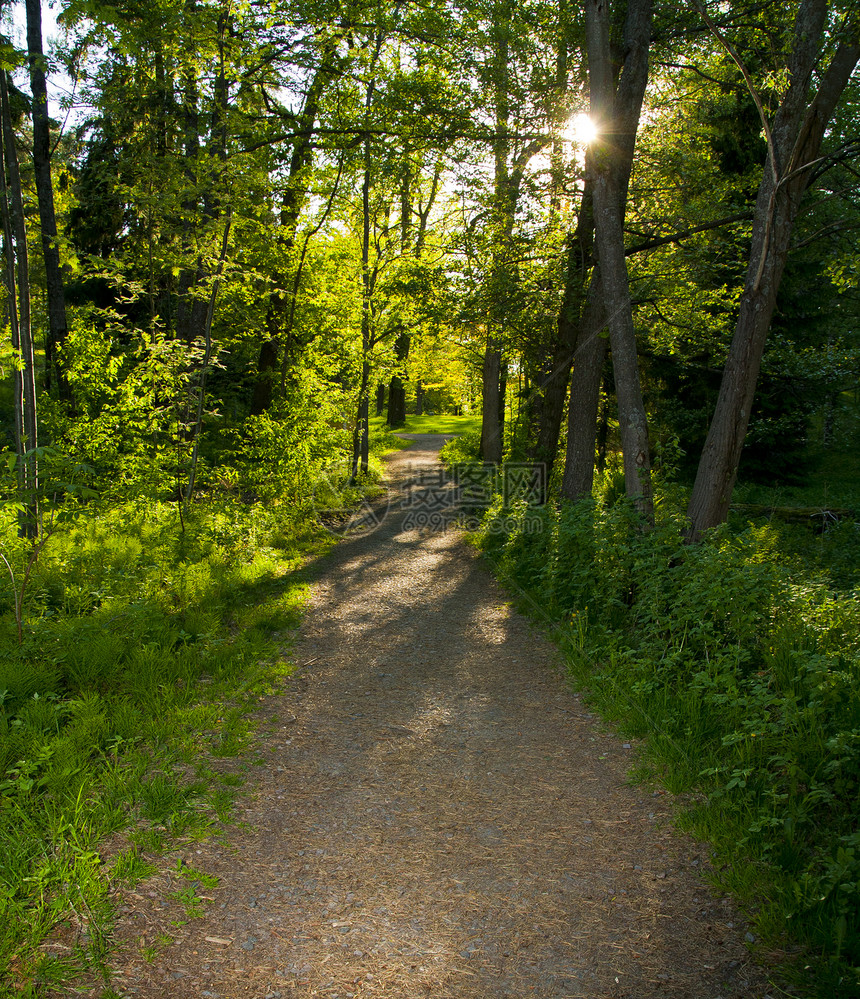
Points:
[440,816]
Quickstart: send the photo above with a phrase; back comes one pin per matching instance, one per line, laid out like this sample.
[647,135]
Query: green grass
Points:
[442,424]
[464,448]
[145,648]
[383,440]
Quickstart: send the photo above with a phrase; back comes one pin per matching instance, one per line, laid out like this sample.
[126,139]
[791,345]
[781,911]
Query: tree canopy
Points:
[254,214]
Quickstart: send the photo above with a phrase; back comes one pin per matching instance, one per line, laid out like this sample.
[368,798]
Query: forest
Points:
[245,240]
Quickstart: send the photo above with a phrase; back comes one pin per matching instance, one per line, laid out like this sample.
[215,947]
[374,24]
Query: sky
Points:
[59,85]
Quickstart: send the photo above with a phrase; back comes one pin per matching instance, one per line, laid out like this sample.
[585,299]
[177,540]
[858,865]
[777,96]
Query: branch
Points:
[694,69]
[677,237]
[532,149]
[826,231]
[847,151]
[358,133]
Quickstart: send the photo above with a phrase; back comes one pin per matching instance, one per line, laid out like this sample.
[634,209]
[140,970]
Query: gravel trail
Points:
[441,816]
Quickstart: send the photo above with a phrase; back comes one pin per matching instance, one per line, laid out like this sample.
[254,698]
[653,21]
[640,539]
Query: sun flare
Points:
[581,130]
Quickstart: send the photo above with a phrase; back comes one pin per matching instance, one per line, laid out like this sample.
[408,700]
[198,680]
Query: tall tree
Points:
[794,141]
[554,381]
[553,370]
[58,327]
[18,280]
[296,187]
[609,202]
[512,149]
[618,73]
[504,205]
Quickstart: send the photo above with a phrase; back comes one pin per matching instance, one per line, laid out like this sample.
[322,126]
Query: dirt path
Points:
[442,817]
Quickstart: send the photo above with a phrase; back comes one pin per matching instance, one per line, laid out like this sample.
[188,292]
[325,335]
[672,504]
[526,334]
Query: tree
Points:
[416,204]
[295,192]
[794,142]
[609,199]
[18,287]
[516,132]
[617,96]
[58,326]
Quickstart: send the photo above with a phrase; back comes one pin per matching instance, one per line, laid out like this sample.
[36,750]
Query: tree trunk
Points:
[585,396]
[397,389]
[406,203]
[491,417]
[629,76]
[361,437]
[361,434]
[267,364]
[546,407]
[192,308]
[12,310]
[396,402]
[294,199]
[29,521]
[793,146]
[56,299]
[610,195]
[603,429]
[184,320]
[552,388]
[161,101]
[622,337]
[423,210]
[504,202]
[503,395]
[197,428]
[570,318]
[203,309]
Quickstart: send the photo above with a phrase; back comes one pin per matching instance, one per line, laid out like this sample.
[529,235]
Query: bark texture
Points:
[491,427]
[585,396]
[553,386]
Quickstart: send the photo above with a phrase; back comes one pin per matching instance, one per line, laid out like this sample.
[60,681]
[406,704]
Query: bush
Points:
[464,447]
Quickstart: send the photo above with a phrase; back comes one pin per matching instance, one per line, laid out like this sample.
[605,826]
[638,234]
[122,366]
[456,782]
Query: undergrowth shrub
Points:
[739,661]
[464,447]
[280,459]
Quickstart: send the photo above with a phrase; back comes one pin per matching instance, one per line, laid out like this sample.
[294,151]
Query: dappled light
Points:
[437,813]
[370,374]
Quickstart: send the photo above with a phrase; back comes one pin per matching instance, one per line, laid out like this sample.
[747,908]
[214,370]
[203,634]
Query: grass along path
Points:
[437,815]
